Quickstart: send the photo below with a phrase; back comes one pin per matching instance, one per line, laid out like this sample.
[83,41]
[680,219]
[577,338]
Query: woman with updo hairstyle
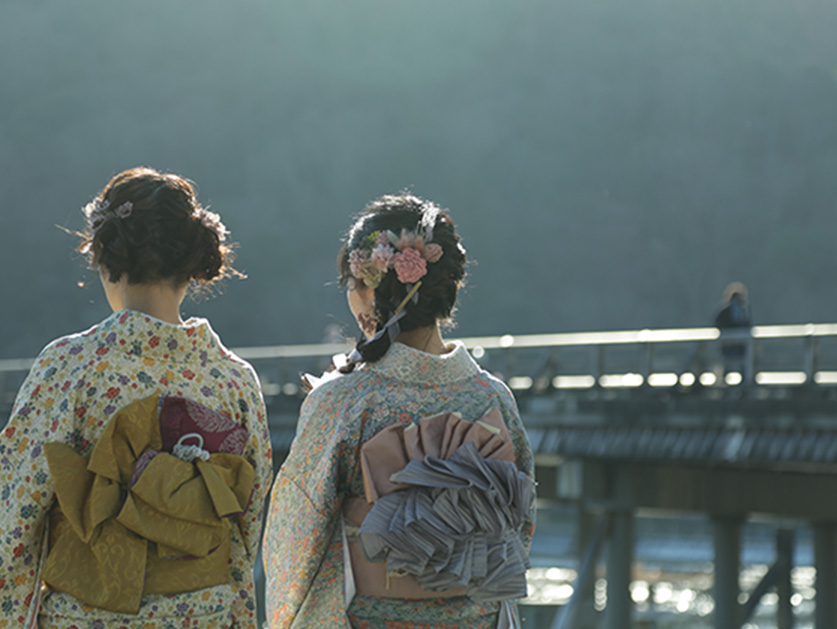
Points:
[134,466]
[407,498]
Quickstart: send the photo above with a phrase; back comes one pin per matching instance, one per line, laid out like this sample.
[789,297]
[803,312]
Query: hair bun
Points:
[148,226]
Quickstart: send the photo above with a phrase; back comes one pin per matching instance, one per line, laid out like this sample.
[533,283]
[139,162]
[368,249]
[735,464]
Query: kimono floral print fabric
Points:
[303,545]
[75,386]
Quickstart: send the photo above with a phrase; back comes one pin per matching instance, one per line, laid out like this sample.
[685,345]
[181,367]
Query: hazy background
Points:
[610,164]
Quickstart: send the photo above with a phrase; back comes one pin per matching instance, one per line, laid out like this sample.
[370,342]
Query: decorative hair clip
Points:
[97,211]
[382,250]
[211,221]
[124,210]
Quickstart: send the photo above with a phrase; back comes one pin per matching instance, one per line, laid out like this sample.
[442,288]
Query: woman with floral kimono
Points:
[407,499]
[136,459]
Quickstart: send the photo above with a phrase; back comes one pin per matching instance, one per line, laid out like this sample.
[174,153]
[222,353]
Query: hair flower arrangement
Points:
[408,254]
[363,268]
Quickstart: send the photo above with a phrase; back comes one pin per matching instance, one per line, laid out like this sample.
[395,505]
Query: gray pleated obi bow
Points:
[449,505]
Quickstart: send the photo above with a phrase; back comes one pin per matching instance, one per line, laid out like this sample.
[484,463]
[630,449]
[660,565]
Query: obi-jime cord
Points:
[149,510]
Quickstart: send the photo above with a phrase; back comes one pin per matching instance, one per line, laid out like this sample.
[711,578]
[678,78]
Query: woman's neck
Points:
[427,340]
[161,301]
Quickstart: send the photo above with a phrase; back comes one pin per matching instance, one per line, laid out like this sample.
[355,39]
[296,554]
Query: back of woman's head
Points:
[398,243]
[148,226]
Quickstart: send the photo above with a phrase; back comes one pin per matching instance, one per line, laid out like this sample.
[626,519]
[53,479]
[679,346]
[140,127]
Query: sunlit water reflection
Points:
[673,577]
[679,599]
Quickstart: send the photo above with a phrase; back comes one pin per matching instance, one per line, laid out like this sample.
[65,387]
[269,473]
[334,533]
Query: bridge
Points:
[635,429]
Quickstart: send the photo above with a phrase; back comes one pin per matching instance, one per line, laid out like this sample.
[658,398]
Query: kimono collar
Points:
[413,366]
[144,335]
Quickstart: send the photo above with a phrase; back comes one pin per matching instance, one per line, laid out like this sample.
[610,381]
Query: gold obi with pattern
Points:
[148,511]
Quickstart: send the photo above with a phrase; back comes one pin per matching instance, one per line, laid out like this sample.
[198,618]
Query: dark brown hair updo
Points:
[439,287]
[148,226]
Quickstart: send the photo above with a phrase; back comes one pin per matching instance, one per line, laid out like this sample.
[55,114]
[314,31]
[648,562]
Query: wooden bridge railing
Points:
[786,355]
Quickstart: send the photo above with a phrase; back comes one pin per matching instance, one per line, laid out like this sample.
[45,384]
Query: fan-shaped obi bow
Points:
[449,505]
[148,510]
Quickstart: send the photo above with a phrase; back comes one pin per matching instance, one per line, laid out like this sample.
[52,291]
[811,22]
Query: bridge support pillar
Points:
[726,532]
[825,562]
[620,554]
[586,617]
[784,587]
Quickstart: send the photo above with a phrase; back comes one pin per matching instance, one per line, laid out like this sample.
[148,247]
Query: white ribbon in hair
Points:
[428,221]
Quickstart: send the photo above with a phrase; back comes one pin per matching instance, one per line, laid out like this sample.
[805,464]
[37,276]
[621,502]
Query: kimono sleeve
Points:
[302,543]
[246,537]
[42,413]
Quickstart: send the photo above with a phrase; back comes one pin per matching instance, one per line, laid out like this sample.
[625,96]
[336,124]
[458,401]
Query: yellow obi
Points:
[133,518]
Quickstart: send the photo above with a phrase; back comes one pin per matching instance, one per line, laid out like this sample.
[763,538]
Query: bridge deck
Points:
[629,423]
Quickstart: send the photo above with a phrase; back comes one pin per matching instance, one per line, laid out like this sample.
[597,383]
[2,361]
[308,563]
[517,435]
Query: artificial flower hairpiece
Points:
[383,250]
[409,255]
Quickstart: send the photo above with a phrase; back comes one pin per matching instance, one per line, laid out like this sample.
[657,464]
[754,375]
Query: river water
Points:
[672,586]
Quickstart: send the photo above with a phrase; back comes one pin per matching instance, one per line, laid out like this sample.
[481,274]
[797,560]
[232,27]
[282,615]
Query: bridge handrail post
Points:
[648,366]
[750,360]
[598,362]
[546,371]
[810,358]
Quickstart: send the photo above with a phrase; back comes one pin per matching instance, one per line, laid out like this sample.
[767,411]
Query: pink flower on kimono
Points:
[410,266]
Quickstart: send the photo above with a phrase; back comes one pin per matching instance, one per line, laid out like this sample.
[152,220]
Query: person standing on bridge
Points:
[136,459]
[407,424]
[733,315]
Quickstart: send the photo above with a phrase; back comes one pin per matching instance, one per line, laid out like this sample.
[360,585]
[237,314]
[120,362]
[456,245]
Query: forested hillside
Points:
[610,164]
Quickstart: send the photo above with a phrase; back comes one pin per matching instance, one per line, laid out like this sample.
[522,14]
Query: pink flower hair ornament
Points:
[409,265]
[408,254]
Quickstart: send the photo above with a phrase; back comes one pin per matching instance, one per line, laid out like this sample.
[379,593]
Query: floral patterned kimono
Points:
[308,583]
[76,386]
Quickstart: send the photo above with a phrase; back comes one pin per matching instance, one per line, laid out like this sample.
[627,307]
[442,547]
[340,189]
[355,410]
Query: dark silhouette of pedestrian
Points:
[733,320]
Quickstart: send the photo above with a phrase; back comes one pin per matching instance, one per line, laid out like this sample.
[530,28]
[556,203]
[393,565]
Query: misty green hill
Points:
[609,164]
